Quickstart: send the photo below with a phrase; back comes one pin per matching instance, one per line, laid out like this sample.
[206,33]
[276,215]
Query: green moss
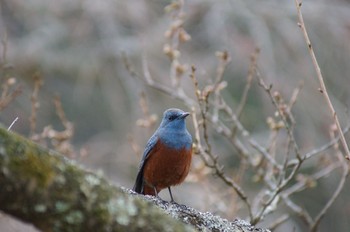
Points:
[92,180]
[40,208]
[74,217]
[123,219]
[34,167]
[61,206]
[60,179]
[27,159]
[2,151]
[125,209]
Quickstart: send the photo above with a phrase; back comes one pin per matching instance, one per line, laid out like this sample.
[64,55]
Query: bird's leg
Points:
[155,192]
[171,196]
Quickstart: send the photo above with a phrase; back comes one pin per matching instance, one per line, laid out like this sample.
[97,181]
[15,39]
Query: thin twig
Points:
[323,89]
[178,94]
[325,146]
[275,193]
[7,98]
[288,111]
[280,220]
[345,173]
[149,81]
[301,185]
[281,114]
[305,216]
[224,60]
[294,97]
[13,123]
[60,112]
[228,133]
[333,198]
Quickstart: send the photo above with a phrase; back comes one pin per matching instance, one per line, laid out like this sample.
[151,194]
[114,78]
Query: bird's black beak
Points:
[184,115]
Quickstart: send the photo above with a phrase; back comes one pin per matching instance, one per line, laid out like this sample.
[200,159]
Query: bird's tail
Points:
[138,186]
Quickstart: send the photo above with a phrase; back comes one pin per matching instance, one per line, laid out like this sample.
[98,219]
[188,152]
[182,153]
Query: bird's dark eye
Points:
[172,117]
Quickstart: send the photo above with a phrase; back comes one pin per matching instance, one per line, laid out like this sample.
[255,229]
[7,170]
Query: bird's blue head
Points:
[172,130]
[174,119]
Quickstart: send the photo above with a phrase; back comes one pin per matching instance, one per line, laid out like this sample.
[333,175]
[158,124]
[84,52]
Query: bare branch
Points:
[325,146]
[323,89]
[280,220]
[345,173]
[281,114]
[6,97]
[298,210]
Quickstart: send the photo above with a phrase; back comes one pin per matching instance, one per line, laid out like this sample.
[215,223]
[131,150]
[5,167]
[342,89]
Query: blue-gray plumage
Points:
[167,157]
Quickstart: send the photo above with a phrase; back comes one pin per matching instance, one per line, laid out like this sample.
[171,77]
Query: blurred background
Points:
[77,48]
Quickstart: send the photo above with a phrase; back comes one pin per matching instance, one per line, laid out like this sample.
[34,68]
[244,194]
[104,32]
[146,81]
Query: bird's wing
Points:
[138,186]
[149,146]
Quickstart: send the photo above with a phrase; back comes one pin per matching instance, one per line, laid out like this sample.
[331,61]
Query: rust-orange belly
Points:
[166,167]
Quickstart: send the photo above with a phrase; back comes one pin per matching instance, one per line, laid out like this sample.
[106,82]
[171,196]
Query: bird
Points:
[167,156]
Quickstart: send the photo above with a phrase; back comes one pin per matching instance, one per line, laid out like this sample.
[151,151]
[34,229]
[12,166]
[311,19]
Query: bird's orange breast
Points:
[166,167]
